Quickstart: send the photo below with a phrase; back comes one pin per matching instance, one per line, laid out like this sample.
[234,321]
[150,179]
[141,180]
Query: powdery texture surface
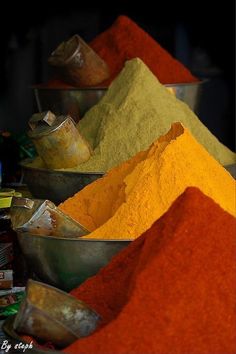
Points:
[125,40]
[134,112]
[170,291]
[127,201]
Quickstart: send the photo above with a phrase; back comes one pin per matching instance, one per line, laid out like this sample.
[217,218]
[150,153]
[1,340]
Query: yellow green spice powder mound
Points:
[134,112]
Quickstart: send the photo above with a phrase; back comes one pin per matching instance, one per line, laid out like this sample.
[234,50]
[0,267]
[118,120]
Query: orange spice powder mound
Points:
[126,202]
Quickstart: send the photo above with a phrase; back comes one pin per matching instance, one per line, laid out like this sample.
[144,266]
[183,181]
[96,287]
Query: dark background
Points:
[201,34]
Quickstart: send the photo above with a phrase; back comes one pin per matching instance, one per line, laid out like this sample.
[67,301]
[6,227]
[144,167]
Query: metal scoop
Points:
[50,314]
[58,141]
[75,62]
[42,217]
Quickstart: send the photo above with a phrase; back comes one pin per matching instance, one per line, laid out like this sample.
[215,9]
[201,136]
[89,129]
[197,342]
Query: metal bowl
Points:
[75,102]
[189,93]
[66,263]
[56,186]
[59,185]
[231,169]
[78,101]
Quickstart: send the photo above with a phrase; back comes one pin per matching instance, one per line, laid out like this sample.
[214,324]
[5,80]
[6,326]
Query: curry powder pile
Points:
[125,203]
[135,111]
[170,291]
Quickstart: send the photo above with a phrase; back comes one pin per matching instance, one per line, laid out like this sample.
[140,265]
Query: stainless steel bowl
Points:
[56,186]
[66,263]
[78,101]
[188,93]
[75,102]
[231,169]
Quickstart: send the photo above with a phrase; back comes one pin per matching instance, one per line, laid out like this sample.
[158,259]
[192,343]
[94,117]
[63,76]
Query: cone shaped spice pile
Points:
[125,40]
[170,291]
[131,197]
[134,112]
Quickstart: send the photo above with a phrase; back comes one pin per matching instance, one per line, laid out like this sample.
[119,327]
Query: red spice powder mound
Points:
[173,290]
[125,40]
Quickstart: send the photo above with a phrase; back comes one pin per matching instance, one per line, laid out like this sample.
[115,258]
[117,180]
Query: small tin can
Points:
[58,141]
[76,63]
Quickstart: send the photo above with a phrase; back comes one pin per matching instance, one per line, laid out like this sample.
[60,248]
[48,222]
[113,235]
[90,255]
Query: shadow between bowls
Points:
[67,262]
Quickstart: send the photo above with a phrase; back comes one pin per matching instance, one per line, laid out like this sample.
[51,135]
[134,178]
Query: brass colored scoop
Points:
[58,141]
[42,217]
[76,63]
[50,314]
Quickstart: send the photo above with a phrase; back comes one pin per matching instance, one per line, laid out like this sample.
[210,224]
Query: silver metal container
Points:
[188,93]
[56,186]
[49,314]
[66,263]
[57,140]
[76,63]
[42,217]
[75,102]
[231,169]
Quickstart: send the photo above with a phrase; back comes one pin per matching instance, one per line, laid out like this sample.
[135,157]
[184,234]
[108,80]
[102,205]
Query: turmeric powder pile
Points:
[125,203]
[135,111]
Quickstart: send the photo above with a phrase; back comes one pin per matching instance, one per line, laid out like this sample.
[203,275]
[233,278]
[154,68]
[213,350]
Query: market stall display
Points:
[143,237]
[125,203]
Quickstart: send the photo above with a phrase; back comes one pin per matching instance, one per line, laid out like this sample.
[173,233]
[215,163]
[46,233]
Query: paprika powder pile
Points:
[170,291]
[125,203]
[125,40]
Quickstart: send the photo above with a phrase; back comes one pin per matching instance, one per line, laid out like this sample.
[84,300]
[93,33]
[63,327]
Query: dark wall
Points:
[200,34]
